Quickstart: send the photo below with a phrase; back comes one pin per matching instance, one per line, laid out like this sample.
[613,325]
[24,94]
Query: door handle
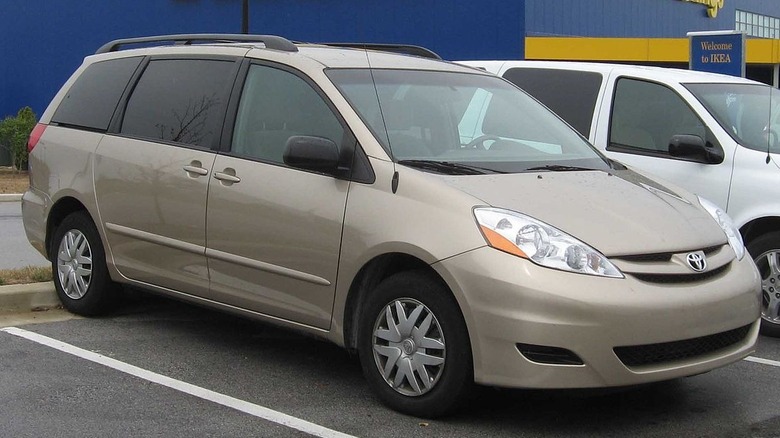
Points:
[227,178]
[194,169]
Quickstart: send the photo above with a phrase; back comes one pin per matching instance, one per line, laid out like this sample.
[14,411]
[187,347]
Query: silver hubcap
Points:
[74,264]
[409,348]
[769,265]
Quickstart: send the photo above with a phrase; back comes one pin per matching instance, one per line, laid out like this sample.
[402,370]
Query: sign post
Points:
[718,52]
[245,17]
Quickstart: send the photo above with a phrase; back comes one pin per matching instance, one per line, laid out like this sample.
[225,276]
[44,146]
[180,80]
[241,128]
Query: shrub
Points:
[14,132]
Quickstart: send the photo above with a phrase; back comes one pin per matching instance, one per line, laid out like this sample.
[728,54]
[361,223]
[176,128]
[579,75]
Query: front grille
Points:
[644,258]
[679,278]
[662,256]
[651,354]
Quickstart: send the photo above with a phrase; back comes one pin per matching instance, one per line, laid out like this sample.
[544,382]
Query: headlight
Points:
[725,222]
[540,243]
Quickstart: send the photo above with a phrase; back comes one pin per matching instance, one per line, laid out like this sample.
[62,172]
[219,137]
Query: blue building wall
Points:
[634,18]
[43,41]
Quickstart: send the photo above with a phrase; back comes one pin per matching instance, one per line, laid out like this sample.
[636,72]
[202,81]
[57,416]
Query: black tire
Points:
[760,249]
[452,382]
[87,289]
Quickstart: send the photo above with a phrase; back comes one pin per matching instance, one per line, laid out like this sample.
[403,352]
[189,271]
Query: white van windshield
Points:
[750,113]
[462,123]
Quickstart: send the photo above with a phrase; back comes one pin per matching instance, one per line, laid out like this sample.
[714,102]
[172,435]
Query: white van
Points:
[715,135]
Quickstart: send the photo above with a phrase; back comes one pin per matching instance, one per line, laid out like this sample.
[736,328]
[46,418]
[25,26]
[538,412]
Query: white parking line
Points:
[774,363]
[197,391]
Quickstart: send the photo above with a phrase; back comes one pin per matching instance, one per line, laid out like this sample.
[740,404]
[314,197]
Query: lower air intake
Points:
[549,355]
[652,354]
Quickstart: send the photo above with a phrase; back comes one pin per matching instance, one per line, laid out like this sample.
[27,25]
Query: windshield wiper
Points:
[559,168]
[447,167]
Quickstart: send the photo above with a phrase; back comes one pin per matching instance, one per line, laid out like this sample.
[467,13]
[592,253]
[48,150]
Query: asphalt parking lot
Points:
[163,368]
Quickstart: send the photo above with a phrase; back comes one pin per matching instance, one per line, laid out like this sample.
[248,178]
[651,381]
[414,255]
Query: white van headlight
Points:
[725,222]
[541,243]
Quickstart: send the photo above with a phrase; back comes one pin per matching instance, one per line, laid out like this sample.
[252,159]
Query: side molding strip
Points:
[267,267]
[156,238]
[215,254]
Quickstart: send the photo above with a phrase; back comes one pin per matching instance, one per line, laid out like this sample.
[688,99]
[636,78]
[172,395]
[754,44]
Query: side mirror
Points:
[312,153]
[693,146]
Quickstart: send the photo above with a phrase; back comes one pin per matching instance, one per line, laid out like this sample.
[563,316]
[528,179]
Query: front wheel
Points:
[414,347]
[79,267]
[766,253]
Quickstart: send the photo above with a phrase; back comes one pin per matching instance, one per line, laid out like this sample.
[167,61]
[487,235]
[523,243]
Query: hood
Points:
[617,213]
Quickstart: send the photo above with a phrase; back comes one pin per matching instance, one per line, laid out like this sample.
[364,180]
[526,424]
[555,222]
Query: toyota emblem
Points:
[697,261]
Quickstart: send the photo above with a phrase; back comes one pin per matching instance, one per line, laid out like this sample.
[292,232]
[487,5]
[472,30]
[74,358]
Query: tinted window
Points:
[92,99]
[179,100]
[447,122]
[646,115]
[570,94]
[276,105]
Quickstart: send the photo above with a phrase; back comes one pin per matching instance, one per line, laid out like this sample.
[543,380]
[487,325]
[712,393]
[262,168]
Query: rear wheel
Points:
[414,346]
[766,253]
[79,267]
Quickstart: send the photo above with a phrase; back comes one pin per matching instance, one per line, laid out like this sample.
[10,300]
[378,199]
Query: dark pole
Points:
[245,18]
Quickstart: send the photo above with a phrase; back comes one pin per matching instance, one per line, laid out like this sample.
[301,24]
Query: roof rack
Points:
[270,41]
[405,49]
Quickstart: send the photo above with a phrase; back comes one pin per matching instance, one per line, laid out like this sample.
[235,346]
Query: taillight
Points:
[35,136]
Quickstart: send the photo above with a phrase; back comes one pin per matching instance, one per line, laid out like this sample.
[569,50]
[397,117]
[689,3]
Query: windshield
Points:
[462,123]
[749,113]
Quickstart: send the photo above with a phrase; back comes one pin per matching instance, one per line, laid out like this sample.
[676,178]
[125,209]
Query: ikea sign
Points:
[713,6]
[718,52]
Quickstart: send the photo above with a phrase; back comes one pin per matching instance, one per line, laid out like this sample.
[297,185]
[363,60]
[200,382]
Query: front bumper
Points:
[507,300]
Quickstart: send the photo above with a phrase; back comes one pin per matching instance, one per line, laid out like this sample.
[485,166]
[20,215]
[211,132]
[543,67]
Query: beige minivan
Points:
[343,192]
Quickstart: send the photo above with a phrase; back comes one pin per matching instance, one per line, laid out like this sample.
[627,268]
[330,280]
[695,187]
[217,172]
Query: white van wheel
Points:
[767,248]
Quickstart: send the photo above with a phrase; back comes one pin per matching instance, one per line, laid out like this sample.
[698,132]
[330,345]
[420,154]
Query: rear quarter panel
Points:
[61,167]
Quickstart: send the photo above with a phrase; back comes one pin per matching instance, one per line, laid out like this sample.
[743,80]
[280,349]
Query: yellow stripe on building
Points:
[759,51]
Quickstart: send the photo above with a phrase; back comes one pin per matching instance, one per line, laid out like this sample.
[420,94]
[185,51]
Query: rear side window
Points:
[91,101]
[570,94]
[180,101]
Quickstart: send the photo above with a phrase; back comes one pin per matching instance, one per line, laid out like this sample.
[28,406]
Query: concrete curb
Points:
[26,297]
[10,197]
